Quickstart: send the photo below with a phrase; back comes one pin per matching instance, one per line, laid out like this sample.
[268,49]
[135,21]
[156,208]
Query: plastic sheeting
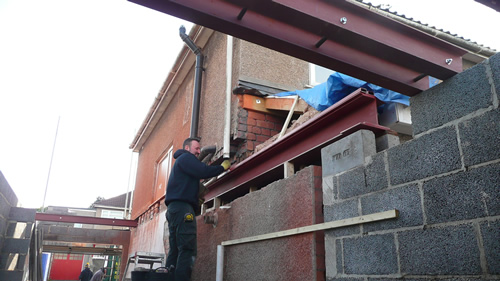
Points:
[339,86]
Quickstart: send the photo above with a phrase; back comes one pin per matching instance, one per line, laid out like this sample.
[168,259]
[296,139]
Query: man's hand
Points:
[226,164]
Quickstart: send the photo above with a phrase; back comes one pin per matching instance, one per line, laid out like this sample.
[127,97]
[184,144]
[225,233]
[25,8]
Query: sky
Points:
[96,66]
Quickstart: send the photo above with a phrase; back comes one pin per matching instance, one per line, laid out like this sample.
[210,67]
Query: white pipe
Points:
[220,263]
[289,117]
[229,78]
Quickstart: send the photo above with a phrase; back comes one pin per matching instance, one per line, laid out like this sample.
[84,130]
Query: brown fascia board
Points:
[183,64]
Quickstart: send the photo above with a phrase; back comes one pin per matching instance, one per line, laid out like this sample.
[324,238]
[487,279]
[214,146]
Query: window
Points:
[163,166]
[75,257]
[111,214]
[59,256]
[318,74]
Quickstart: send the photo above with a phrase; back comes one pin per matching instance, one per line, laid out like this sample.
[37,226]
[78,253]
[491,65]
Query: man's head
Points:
[192,145]
[87,265]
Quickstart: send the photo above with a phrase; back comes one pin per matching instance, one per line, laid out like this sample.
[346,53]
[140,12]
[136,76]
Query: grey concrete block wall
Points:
[444,182]
[456,97]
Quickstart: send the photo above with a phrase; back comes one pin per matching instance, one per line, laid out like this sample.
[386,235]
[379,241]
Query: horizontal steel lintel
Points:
[374,57]
[81,250]
[303,145]
[84,220]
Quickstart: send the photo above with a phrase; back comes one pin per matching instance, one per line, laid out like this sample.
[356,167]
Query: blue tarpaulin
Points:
[339,86]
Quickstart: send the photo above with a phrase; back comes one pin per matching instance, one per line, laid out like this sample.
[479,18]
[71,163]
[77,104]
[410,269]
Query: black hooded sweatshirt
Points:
[184,181]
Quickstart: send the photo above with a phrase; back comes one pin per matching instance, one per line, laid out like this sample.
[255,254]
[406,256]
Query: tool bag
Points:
[159,274]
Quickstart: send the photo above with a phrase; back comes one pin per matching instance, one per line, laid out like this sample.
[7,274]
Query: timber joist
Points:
[339,35]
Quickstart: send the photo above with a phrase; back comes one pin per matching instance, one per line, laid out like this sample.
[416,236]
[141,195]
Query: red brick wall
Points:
[253,129]
[285,204]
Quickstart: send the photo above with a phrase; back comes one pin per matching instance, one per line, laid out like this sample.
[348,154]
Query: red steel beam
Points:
[85,220]
[392,61]
[356,111]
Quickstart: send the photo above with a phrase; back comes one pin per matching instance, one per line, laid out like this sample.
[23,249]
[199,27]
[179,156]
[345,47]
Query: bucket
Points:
[159,274]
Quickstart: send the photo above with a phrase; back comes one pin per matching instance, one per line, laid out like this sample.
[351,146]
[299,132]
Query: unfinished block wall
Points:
[445,184]
[285,204]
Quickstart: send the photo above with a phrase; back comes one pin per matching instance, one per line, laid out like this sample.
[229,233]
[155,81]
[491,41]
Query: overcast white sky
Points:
[98,65]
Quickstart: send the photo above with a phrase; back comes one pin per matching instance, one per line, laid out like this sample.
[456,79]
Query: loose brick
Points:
[429,155]
[490,232]
[480,138]
[465,195]
[456,97]
[405,199]
[372,254]
[439,251]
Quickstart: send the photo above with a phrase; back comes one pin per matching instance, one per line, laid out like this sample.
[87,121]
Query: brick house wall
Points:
[444,182]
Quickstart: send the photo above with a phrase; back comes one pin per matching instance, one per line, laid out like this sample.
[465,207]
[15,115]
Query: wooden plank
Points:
[316,227]
[285,104]
[271,105]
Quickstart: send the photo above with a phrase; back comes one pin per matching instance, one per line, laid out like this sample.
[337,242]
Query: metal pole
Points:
[220,263]
[50,166]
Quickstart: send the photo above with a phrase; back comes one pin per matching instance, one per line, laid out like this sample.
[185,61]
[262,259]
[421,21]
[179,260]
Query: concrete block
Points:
[406,199]
[490,232]
[439,251]
[352,183]
[348,152]
[456,97]
[375,173]
[386,141]
[331,258]
[22,214]
[465,195]
[12,245]
[338,211]
[7,191]
[429,155]
[480,138]
[494,62]
[372,254]
[330,190]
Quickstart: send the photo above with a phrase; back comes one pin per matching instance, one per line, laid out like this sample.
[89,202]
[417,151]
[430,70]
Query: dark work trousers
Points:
[182,230]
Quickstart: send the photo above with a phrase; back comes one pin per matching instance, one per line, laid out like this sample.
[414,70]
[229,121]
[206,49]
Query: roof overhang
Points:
[338,35]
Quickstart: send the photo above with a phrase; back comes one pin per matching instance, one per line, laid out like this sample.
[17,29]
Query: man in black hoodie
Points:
[182,201]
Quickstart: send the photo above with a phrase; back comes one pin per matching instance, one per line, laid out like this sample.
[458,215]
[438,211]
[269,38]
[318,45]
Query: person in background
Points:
[86,274]
[99,275]
[182,201]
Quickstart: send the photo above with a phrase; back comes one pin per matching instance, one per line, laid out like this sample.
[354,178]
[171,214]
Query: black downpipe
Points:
[197,81]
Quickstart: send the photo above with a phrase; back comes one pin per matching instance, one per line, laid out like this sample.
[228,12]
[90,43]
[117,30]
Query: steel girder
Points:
[302,146]
[338,34]
[84,220]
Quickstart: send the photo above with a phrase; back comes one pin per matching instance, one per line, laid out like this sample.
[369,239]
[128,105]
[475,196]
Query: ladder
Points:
[143,258]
